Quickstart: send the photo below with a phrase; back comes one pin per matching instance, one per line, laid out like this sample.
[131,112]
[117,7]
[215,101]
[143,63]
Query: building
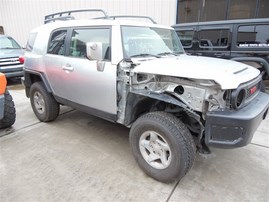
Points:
[211,10]
[18,17]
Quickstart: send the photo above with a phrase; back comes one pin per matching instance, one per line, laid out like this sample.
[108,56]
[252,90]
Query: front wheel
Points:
[43,103]
[162,146]
[9,112]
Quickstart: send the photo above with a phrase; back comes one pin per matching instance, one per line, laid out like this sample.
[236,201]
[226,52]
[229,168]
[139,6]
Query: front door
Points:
[76,79]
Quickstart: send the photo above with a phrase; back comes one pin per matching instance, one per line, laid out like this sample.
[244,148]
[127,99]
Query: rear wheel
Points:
[43,103]
[9,112]
[163,146]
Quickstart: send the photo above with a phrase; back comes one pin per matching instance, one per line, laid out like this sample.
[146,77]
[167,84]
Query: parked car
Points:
[244,40]
[137,74]
[7,107]
[11,62]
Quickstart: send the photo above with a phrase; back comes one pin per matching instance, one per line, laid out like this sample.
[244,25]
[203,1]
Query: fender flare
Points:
[28,80]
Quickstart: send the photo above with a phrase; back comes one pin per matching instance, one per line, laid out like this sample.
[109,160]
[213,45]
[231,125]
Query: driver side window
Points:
[80,37]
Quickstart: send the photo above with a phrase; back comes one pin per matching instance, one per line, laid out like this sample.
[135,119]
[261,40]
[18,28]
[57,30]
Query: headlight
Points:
[238,98]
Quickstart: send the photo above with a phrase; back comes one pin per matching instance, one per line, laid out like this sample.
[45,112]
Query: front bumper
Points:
[12,71]
[231,129]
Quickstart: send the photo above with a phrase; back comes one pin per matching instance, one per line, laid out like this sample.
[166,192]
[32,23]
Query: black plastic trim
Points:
[231,129]
[88,110]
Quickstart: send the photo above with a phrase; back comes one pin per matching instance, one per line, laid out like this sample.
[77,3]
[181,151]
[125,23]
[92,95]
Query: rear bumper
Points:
[231,129]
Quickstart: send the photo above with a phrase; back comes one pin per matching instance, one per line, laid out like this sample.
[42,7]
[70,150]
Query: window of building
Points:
[263,9]
[242,9]
[57,42]
[212,10]
[253,36]
[188,10]
[80,37]
[214,38]
[186,37]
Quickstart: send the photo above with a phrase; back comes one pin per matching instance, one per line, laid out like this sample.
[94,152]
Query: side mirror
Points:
[95,50]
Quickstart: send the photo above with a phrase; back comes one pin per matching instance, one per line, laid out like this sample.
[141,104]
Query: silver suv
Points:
[137,74]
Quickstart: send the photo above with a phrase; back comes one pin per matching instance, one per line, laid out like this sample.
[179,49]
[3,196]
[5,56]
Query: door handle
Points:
[68,67]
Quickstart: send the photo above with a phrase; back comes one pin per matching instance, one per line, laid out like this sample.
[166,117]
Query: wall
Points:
[18,17]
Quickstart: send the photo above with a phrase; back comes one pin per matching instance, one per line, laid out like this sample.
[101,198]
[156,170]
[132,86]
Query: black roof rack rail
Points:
[133,16]
[129,16]
[66,15]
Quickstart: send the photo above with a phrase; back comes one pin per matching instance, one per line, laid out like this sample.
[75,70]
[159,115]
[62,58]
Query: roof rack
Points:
[66,15]
[133,16]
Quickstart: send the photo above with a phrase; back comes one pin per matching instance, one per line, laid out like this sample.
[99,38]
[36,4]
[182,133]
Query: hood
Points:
[8,53]
[228,74]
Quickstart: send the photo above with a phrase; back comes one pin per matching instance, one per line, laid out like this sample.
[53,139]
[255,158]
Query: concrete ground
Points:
[79,157]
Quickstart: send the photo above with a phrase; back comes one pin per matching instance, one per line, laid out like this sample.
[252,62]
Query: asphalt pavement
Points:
[79,157]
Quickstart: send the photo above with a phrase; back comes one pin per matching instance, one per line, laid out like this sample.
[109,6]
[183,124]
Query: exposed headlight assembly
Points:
[238,98]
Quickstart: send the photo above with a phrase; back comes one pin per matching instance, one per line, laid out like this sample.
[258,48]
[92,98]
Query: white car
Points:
[137,74]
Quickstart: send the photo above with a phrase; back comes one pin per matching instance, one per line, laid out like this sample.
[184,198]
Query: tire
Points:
[162,146]
[9,112]
[43,103]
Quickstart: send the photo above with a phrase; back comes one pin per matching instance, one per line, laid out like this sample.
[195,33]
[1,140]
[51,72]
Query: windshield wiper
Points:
[168,53]
[145,55]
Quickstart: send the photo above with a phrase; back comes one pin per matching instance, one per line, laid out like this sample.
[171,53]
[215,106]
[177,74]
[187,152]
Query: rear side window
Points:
[31,42]
[253,36]
[57,42]
[214,38]
[186,37]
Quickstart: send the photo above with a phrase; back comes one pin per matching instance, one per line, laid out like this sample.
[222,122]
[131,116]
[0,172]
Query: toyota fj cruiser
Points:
[137,74]
[7,108]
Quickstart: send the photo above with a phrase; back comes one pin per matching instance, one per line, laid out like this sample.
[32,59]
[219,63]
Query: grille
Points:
[251,91]
[6,62]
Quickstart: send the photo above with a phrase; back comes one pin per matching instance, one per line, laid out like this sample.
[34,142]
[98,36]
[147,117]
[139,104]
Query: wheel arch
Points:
[140,103]
[31,77]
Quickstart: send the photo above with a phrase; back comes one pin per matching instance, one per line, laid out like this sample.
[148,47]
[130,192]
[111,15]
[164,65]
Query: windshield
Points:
[8,43]
[148,41]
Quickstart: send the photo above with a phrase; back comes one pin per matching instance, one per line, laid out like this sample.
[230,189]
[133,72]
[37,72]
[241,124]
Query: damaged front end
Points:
[194,101]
